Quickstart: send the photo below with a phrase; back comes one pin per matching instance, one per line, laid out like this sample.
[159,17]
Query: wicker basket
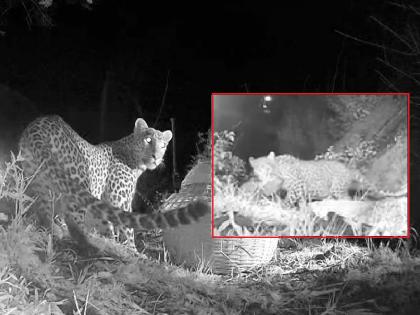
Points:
[192,245]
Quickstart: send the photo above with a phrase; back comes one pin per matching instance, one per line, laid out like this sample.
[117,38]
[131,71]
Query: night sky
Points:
[228,47]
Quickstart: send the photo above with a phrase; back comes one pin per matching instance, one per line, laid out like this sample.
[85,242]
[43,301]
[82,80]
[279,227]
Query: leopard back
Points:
[95,182]
[304,180]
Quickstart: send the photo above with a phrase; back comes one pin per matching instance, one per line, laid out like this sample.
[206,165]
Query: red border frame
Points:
[312,94]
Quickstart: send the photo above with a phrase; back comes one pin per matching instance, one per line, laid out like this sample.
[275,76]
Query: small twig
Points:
[396,35]
[399,70]
[397,4]
[163,98]
[156,302]
[174,166]
[376,45]
[28,16]
[414,9]
[386,81]
[405,7]
[46,19]
[336,68]
[414,36]
[76,303]
[343,84]
[4,12]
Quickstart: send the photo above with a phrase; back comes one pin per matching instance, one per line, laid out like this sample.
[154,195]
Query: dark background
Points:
[299,125]
[205,48]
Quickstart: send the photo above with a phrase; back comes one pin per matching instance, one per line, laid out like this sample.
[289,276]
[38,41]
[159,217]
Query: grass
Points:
[43,275]
[236,207]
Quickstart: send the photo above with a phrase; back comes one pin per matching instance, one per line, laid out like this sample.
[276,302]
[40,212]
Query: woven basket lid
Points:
[192,245]
[199,174]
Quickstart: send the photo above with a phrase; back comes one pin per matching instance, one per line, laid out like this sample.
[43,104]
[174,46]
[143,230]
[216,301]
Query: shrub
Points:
[228,168]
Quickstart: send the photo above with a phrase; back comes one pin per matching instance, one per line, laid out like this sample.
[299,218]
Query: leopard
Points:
[300,181]
[94,184]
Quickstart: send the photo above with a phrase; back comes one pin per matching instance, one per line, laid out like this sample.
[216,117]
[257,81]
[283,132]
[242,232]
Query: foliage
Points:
[13,185]
[356,155]
[398,39]
[356,107]
[228,168]
[203,147]
[394,34]
[37,12]
[20,246]
[349,109]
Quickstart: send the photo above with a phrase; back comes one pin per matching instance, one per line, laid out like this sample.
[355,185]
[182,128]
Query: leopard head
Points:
[149,145]
[265,170]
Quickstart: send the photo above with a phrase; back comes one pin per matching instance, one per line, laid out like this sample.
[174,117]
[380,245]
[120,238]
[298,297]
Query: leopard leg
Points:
[80,236]
[78,227]
[129,236]
[43,209]
[112,194]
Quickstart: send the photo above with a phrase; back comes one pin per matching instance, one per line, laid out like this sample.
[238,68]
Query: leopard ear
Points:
[167,135]
[271,155]
[251,159]
[140,124]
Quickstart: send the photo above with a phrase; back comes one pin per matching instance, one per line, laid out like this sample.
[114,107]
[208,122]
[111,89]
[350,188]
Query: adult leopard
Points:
[301,181]
[95,183]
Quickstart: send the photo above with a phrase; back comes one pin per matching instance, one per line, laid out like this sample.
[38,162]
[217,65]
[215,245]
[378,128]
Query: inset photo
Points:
[310,165]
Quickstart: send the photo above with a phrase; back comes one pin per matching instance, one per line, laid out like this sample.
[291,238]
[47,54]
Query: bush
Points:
[352,156]
[228,168]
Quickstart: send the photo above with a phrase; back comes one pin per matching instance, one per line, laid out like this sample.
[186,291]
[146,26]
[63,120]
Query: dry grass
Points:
[239,212]
[39,275]
[259,214]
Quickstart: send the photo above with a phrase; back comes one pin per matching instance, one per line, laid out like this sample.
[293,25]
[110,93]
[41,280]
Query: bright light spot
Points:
[4,217]
[267,98]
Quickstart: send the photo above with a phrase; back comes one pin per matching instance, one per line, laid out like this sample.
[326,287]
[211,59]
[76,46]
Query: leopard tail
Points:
[362,187]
